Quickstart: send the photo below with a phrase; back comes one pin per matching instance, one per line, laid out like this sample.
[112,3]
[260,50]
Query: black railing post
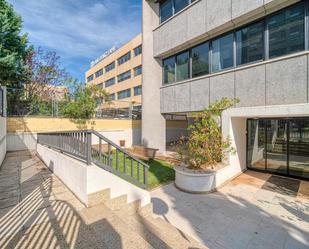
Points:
[100,150]
[88,135]
[145,176]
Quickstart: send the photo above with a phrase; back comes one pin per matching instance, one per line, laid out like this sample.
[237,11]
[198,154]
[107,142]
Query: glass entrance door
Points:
[279,146]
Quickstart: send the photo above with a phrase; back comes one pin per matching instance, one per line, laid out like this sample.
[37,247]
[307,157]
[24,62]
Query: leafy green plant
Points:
[205,146]
[82,104]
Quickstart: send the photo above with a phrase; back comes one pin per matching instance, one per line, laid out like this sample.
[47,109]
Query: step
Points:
[110,231]
[159,233]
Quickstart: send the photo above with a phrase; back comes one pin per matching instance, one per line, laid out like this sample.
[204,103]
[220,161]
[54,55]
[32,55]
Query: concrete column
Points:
[4,101]
[153,123]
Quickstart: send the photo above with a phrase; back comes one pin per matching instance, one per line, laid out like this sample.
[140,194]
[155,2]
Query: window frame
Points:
[138,67]
[125,90]
[101,71]
[90,76]
[128,71]
[124,56]
[233,31]
[139,48]
[107,66]
[107,81]
[137,87]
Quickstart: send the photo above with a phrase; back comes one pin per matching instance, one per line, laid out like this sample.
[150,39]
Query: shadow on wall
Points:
[32,222]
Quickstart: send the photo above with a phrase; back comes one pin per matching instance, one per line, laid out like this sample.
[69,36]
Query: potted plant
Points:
[202,153]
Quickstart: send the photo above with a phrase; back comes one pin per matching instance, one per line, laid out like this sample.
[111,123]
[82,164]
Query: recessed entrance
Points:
[279,146]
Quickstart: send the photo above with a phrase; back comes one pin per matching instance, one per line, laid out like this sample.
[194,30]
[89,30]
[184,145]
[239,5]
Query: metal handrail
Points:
[115,160]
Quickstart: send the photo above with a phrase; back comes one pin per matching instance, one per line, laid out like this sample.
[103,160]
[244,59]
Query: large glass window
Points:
[250,44]
[138,50]
[169,70]
[99,73]
[137,90]
[222,53]
[124,94]
[110,82]
[180,4]
[287,31]
[182,66]
[137,70]
[124,58]
[111,97]
[90,78]
[166,10]
[110,67]
[200,60]
[124,76]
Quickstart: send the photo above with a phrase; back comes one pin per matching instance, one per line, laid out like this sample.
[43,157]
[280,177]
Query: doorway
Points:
[279,146]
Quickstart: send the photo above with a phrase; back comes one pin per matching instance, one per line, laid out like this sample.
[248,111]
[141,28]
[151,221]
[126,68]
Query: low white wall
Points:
[72,173]
[83,180]
[2,139]
[21,141]
[99,179]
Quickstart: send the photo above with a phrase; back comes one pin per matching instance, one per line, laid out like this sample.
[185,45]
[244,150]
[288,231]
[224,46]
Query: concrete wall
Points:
[84,180]
[2,139]
[206,18]
[3,129]
[153,125]
[274,82]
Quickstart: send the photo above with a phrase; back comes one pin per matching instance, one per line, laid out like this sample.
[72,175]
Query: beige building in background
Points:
[119,71]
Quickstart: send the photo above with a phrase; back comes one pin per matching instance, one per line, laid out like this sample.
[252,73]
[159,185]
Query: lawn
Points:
[159,172]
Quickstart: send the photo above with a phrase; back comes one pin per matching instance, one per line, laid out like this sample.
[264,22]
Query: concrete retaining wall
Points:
[2,139]
[84,180]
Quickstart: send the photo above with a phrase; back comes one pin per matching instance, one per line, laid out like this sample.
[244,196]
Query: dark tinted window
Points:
[180,4]
[286,31]
[124,58]
[90,78]
[169,70]
[166,10]
[99,73]
[111,97]
[138,50]
[110,82]
[124,94]
[182,66]
[137,90]
[250,44]
[110,67]
[138,71]
[200,60]
[124,76]
[222,53]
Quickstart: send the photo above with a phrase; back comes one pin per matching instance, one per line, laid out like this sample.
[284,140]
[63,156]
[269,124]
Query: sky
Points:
[79,30]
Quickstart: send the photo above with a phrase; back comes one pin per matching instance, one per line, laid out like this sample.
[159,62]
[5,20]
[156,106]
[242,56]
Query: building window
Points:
[99,73]
[90,78]
[124,76]
[182,66]
[138,50]
[124,58]
[200,60]
[101,85]
[137,90]
[250,44]
[287,31]
[169,70]
[137,71]
[110,82]
[124,94]
[111,97]
[222,53]
[166,10]
[110,67]
[180,4]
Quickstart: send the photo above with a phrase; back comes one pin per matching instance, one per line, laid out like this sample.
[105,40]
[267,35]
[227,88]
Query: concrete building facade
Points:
[197,51]
[119,71]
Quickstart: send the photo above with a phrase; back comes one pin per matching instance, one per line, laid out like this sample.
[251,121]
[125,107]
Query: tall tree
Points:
[13,47]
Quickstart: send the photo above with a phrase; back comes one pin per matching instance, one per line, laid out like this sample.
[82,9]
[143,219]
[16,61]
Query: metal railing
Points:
[91,147]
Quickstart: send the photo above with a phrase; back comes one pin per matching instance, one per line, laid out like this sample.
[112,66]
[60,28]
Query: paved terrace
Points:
[254,211]
[38,211]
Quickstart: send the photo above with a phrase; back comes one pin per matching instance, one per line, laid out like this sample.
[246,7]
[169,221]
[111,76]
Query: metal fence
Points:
[91,147]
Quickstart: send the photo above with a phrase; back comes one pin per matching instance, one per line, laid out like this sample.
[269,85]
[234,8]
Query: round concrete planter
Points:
[195,181]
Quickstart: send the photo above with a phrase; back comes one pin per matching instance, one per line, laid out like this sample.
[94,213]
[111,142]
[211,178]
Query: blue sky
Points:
[79,30]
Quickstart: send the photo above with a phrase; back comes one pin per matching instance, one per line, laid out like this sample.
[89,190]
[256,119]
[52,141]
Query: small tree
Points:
[82,104]
[206,146]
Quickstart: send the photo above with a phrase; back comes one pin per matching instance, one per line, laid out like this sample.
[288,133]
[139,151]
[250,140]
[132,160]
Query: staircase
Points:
[140,223]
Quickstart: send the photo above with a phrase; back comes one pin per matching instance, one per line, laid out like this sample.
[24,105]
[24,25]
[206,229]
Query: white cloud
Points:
[79,29]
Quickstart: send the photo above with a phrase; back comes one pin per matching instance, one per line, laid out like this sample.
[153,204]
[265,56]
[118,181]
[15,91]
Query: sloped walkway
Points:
[254,211]
[38,211]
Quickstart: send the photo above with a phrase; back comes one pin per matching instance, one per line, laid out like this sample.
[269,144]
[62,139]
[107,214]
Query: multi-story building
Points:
[119,72]
[198,51]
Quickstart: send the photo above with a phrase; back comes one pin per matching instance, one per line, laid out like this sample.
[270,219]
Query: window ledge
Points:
[235,69]
[178,13]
